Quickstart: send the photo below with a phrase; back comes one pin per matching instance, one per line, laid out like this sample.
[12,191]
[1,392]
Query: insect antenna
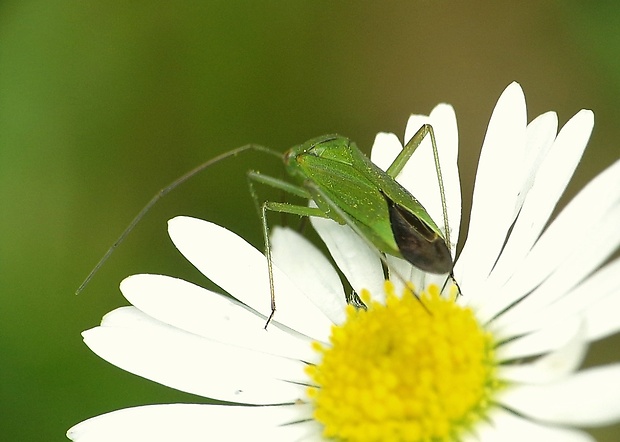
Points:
[163,192]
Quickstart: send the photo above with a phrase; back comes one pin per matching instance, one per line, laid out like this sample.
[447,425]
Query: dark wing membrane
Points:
[418,244]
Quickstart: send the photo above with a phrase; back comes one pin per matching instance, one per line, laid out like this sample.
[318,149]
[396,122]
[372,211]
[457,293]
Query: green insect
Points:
[349,189]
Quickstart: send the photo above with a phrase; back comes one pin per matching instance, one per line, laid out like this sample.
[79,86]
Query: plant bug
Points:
[348,188]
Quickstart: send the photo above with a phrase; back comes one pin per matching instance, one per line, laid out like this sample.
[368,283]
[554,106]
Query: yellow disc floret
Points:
[407,370]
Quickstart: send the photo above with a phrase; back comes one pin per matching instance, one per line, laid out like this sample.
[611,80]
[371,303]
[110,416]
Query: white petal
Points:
[189,422]
[241,270]
[588,398]
[596,300]
[537,192]
[310,270]
[507,427]
[141,345]
[553,336]
[552,366]
[540,134]
[496,189]
[583,258]
[419,176]
[211,315]
[385,149]
[401,272]
[595,201]
[551,180]
[359,263]
[602,317]
[559,246]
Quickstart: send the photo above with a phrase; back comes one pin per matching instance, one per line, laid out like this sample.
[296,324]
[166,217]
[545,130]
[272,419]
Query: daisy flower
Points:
[497,362]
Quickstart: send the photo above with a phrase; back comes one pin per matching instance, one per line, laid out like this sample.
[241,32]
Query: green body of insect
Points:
[348,188]
[337,174]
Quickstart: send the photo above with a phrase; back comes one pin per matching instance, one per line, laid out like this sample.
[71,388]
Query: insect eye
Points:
[287,156]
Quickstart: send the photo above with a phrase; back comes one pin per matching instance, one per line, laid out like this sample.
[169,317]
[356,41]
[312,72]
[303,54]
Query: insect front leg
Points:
[263,207]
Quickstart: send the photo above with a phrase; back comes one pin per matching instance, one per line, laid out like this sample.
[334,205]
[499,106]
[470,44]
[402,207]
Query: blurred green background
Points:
[103,103]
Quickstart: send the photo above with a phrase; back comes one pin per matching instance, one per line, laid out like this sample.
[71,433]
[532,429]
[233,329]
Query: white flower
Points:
[532,299]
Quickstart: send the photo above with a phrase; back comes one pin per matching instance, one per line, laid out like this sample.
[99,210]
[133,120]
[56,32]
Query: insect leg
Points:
[262,208]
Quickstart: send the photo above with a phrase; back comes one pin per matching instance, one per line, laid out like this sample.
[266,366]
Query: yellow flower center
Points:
[401,371]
